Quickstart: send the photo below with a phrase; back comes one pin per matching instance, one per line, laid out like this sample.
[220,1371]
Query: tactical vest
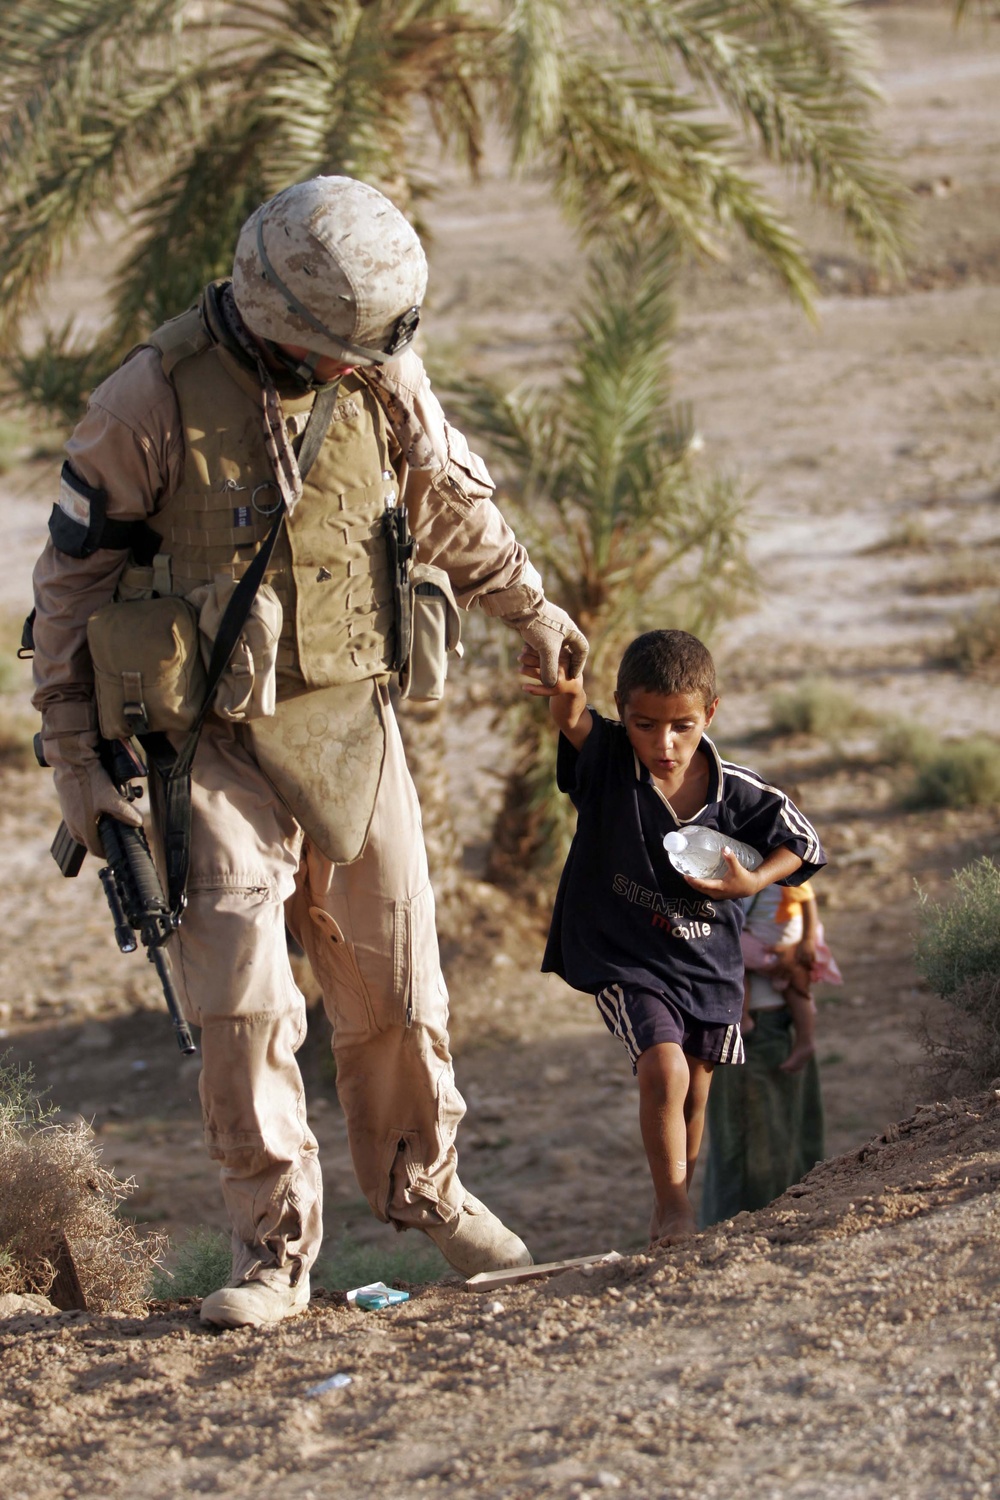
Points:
[330,565]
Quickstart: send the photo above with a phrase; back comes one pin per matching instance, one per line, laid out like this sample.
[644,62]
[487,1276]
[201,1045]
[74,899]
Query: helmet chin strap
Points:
[303,370]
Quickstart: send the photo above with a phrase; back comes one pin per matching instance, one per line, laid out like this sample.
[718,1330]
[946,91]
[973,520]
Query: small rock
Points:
[15,1305]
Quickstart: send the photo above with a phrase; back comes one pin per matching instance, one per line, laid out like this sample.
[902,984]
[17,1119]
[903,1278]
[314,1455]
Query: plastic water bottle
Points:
[698,851]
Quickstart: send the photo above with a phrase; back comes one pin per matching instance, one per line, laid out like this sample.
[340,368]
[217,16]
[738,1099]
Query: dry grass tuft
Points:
[57,1194]
[975,645]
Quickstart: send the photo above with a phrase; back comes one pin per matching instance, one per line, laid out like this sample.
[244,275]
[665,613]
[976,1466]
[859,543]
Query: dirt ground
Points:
[841,1343]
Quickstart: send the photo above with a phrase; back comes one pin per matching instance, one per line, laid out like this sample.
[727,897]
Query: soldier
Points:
[302,810]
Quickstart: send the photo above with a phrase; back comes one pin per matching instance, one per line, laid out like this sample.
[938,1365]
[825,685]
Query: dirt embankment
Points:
[842,1342]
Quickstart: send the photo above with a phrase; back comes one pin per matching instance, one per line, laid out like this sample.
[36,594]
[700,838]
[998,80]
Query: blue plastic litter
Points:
[376,1295]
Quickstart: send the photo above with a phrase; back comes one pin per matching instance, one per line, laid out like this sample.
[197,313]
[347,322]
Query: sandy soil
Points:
[841,1343]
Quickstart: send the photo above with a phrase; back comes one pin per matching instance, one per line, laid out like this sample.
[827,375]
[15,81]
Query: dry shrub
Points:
[965,1057]
[976,642]
[54,1191]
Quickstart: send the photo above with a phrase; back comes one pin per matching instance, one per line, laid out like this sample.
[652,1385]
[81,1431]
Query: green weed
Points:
[815,706]
[906,744]
[203,1262]
[960,941]
[414,1261]
[958,953]
[963,774]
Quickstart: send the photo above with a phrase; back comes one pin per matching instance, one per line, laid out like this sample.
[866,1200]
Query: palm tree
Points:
[179,117]
[606,491]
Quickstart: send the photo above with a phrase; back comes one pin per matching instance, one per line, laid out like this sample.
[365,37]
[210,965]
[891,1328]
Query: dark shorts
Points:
[643,1018]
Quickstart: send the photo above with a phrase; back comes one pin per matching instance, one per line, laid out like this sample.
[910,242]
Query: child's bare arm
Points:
[806,950]
[567,699]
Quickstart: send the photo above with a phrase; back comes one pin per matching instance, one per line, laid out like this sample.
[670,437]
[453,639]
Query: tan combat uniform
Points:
[174,437]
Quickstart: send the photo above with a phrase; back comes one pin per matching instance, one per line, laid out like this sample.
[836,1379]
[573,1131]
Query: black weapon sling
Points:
[173,768]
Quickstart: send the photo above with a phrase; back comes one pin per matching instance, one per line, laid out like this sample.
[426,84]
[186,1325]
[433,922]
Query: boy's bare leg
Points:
[694,1109]
[673,1092]
[803,1008]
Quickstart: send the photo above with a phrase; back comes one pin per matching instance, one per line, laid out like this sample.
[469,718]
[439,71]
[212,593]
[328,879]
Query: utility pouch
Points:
[247,688]
[148,671]
[436,629]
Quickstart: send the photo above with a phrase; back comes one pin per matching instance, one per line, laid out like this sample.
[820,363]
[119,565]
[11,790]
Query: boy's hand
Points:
[567,696]
[736,883]
[531,668]
[739,882]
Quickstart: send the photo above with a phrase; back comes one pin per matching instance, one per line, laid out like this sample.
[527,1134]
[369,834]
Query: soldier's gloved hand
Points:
[84,788]
[551,632]
[544,627]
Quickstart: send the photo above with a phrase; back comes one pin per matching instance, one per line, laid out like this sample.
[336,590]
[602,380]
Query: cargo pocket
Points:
[348,1002]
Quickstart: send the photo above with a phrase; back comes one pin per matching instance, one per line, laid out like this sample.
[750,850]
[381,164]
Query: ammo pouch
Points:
[248,687]
[151,656]
[435,629]
[148,670]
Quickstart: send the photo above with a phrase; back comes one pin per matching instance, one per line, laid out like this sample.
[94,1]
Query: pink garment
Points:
[758,957]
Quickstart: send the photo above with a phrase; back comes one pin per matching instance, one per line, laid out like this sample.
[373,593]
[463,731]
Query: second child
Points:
[660,951]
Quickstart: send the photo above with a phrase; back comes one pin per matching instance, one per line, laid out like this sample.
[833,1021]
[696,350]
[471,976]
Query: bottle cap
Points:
[674,842]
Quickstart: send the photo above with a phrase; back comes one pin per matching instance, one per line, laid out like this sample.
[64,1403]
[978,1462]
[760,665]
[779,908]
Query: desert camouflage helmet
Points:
[332,265]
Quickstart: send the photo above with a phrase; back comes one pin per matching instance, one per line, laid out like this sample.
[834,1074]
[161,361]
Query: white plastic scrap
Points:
[334,1383]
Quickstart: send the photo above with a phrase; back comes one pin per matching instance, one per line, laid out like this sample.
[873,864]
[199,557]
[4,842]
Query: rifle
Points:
[129,878]
[399,545]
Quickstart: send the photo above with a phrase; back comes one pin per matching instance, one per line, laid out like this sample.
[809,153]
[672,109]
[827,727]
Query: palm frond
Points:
[803,85]
[533,38]
[629,152]
[598,470]
[150,107]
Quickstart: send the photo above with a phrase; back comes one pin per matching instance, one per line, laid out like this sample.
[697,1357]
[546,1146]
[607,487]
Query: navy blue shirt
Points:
[622,913]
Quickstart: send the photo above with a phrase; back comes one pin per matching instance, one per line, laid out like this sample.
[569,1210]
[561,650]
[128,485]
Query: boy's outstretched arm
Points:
[738,881]
[567,699]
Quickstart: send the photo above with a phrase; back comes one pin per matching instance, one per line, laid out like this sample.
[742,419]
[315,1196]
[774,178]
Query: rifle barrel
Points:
[184,1039]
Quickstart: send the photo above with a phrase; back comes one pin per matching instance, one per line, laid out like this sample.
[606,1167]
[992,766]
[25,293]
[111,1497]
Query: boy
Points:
[660,951]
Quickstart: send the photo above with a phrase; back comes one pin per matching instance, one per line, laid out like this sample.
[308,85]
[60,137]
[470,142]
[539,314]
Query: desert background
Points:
[842,1342]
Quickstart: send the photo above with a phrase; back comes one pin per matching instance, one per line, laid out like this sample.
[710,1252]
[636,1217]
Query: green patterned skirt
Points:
[765,1127]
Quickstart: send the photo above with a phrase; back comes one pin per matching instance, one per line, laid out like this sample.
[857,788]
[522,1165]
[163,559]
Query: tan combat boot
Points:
[264,1296]
[475,1240]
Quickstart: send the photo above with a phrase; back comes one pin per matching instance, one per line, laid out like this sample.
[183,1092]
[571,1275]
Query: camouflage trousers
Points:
[368,930]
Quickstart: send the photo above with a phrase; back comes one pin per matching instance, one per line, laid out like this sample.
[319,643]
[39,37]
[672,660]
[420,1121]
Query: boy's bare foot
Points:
[672,1225]
[800,1054]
